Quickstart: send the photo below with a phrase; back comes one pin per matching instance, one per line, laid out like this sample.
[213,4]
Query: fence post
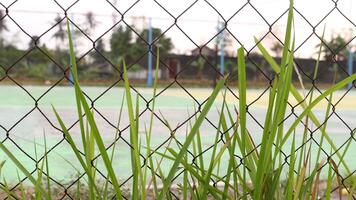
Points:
[149,72]
[222,52]
[350,65]
[351,55]
[71,81]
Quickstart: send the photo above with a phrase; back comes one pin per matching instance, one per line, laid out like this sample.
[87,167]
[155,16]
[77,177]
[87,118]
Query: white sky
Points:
[199,22]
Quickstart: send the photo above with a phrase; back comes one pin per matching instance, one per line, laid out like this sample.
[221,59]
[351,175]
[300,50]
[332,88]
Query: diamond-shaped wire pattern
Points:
[176,22]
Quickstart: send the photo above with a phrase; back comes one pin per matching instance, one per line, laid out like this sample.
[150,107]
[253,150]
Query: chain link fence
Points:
[39,56]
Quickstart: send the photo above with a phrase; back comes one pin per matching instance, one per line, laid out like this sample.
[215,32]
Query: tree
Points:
[36,56]
[99,52]
[34,40]
[277,48]
[3,27]
[230,65]
[336,46]
[90,22]
[124,46]
[164,43]
[8,55]
[60,34]
[61,56]
[199,64]
[120,44]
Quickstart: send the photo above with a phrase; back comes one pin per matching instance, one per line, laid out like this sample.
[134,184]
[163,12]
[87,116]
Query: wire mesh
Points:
[178,78]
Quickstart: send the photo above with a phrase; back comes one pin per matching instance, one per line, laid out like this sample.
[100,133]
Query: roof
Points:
[204,50]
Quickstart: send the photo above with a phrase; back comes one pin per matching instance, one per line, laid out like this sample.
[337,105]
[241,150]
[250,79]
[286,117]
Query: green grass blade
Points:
[99,141]
[8,193]
[212,160]
[336,87]
[213,191]
[22,168]
[242,108]
[74,148]
[288,35]
[300,178]
[329,181]
[272,127]
[149,133]
[105,189]
[300,99]
[185,185]
[198,146]
[232,167]
[290,180]
[74,72]
[22,188]
[135,156]
[100,145]
[47,167]
[190,137]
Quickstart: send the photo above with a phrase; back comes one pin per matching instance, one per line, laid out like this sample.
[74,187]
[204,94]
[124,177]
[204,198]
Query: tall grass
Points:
[253,171]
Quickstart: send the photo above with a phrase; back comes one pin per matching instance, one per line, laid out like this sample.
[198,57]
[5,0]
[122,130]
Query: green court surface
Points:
[26,125]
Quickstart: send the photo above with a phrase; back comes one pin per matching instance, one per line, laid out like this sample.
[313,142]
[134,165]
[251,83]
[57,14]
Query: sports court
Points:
[174,104]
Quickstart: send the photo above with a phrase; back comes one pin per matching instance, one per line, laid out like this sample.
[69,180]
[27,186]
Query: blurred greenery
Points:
[336,48]
[41,63]
[38,62]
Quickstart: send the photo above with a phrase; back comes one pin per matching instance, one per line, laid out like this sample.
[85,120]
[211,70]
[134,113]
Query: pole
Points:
[222,52]
[350,65]
[71,81]
[114,13]
[351,55]
[149,72]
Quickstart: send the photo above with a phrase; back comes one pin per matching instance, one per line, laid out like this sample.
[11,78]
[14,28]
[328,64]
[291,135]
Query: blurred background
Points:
[197,42]
[197,39]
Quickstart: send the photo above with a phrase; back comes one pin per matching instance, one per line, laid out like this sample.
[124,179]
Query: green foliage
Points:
[350,182]
[121,44]
[135,67]
[8,55]
[277,48]
[336,47]
[34,65]
[99,53]
[3,27]
[60,34]
[162,42]
[124,45]
[36,70]
[199,64]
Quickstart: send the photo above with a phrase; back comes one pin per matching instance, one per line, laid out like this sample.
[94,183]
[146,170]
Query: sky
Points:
[199,22]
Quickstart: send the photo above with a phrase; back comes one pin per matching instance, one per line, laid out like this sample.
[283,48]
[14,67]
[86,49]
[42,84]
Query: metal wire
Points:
[175,82]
